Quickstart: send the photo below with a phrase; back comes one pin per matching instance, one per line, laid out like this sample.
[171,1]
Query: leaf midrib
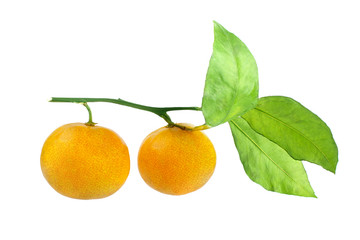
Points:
[243,132]
[295,130]
[232,53]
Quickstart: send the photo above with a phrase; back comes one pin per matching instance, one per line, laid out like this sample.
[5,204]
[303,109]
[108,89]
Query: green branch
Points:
[161,112]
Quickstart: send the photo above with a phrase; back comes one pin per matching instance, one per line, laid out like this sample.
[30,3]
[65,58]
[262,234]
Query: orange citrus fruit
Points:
[176,161]
[85,162]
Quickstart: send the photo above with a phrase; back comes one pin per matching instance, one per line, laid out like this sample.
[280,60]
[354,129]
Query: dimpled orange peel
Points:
[176,161]
[85,162]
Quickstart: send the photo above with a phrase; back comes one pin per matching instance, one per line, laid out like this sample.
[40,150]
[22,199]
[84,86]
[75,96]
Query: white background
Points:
[156,53]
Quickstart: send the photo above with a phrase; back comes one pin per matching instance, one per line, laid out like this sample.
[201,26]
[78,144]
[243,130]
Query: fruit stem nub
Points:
[90,122]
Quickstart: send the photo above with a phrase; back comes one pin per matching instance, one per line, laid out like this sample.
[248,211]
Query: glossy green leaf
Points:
[231,86]
[296,129]
[268,164]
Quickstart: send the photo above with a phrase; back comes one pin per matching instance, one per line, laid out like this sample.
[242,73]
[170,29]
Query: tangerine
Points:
[176,161]
[85,162]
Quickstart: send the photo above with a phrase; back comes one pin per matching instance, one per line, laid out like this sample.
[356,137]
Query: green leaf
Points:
[296,129]
[268,164]
[231,86]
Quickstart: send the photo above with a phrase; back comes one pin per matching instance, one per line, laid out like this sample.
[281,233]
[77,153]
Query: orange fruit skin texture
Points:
[85,162]
[175,161]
